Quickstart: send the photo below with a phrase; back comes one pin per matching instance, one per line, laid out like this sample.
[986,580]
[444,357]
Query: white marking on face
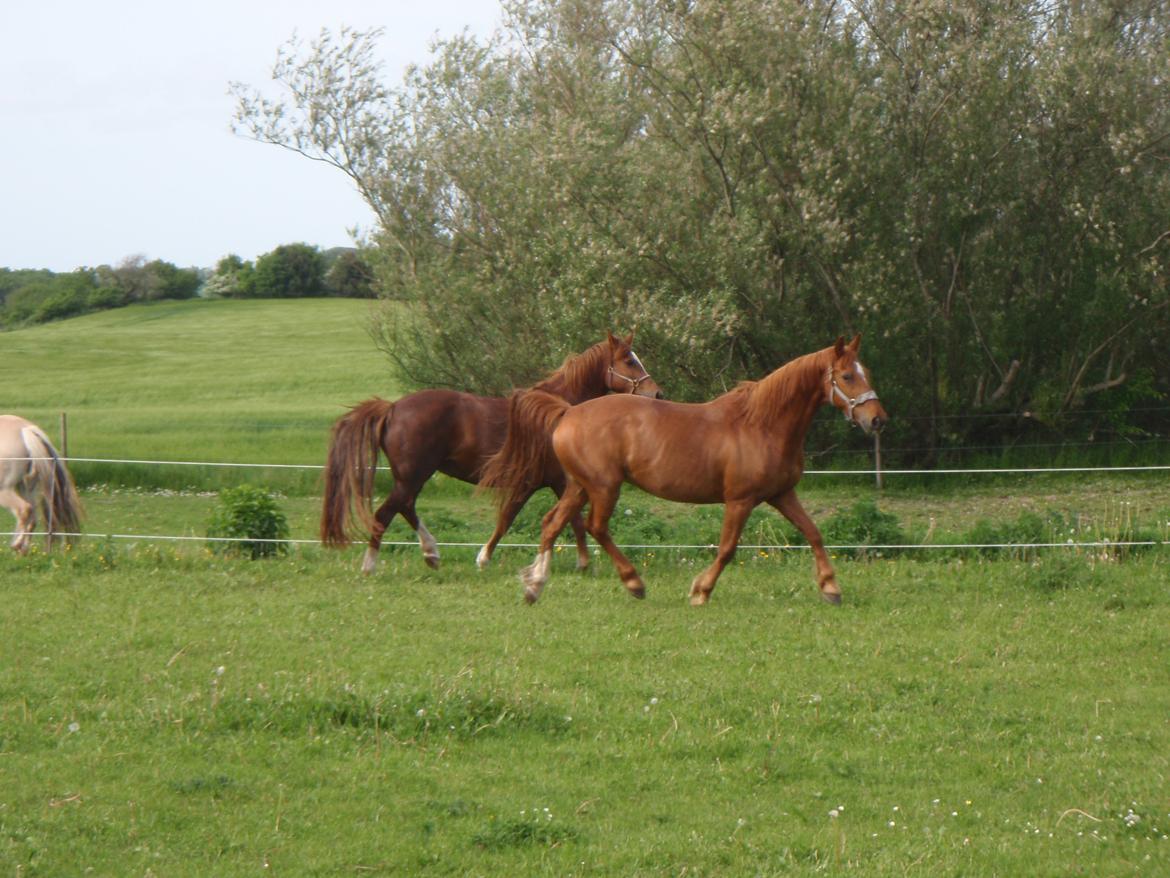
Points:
[637,362]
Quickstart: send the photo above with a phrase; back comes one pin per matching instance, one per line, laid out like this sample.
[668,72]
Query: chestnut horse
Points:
[33,475]
[744,448]
[453,433]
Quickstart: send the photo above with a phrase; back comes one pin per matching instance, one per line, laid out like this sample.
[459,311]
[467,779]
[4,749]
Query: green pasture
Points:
[248,381]
[165,710]
[175,713]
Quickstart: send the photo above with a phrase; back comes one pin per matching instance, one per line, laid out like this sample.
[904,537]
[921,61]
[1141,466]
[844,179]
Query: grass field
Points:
[250,381]
[171,714]
[168,711]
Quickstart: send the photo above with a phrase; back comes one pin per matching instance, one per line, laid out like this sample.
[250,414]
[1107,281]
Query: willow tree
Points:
[982,189]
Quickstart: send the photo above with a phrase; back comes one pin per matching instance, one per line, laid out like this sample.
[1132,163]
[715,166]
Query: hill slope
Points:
[234,381]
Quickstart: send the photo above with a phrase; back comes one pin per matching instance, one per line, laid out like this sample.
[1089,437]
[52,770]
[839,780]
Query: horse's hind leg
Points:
[26,519]
[734,517]
[399,502]
[601,504]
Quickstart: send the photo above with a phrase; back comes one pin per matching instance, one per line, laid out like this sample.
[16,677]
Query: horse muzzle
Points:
[870,416]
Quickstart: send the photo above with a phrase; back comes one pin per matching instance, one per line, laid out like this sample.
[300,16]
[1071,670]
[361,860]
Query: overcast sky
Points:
[114,126]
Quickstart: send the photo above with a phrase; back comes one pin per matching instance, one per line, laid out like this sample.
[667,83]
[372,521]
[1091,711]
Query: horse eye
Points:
[848,376]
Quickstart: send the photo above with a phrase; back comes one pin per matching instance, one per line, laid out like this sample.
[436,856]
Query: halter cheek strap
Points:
[851,402]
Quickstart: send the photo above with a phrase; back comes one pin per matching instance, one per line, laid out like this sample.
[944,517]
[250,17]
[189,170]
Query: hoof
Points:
[369,563]
[635,587]
[532,585]
[699,599]
[582,565]
[831,597]
[432,561]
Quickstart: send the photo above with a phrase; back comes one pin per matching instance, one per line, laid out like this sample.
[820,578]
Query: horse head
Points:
[847,387]
[626,373]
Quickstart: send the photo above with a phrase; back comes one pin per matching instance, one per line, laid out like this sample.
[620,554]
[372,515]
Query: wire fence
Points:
[1103,544]
[808,472]
[760,547]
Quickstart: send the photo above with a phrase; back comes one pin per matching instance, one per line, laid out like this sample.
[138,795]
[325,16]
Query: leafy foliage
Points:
[41,296]
[251,522]
[863,525]
[744,181]
[350,275]
[289,271]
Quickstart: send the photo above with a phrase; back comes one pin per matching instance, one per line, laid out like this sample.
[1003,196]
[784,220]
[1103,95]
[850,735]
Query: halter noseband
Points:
[634,381]
[851,402]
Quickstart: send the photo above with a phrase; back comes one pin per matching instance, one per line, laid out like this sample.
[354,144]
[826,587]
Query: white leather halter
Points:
[851,402]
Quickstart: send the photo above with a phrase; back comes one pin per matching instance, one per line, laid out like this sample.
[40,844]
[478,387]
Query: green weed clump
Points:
[863,525]
[248,521]
[1016,538]
[535,828]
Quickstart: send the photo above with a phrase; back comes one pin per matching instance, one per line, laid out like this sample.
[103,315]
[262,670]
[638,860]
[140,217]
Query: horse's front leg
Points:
[507,513]
[535,576]
[789,506]
[577,523]
[735,515]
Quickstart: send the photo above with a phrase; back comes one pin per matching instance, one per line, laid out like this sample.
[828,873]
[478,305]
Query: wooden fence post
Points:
[64,435]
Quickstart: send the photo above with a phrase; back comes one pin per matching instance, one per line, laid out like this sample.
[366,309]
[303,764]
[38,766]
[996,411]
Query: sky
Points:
[115,119]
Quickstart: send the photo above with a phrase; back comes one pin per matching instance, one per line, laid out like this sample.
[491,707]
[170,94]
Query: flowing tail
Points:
[350,470]
[518,468]
[60,504]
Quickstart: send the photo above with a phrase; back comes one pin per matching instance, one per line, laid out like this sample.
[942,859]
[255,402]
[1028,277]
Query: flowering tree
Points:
[981,188]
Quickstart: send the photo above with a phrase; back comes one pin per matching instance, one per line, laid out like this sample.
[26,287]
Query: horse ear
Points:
[613,342]
[855,344]
[630,340]
[839,347]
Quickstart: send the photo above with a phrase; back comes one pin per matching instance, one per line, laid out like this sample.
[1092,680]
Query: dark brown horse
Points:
[453,433]
[741,449]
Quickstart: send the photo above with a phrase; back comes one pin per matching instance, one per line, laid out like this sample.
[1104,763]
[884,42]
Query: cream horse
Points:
[32,474]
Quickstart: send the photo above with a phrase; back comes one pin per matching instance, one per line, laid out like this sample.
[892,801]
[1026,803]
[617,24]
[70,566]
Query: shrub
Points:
[1015,538]
[863,525]
[250,517]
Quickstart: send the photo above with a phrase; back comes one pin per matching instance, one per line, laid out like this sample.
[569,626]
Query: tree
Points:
[233,277]
[289,271]
[350,275]
[742,181]
[141,281]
